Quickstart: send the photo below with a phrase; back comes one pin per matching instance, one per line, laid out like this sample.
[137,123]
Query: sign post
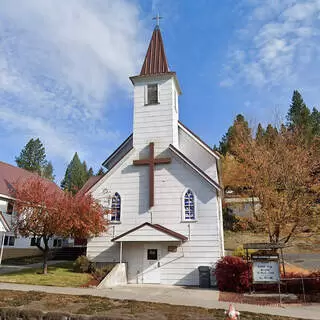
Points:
[265,269]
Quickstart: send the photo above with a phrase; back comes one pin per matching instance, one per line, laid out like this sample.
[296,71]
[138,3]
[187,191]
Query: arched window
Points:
[189,205]
[116,207]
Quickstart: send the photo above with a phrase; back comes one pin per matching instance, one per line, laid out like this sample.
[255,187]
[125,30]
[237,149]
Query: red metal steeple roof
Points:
[155,61]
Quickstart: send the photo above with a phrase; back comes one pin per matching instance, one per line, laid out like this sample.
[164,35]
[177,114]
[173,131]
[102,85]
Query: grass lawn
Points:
[22,260]
[115,309]
[60,275]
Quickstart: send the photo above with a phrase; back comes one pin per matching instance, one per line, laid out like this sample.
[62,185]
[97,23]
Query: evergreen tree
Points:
[47,171]
[270,134]
[315,122]
[260,133]
[33,158]
[90,172]
[299,118]
[100,172]
[75,176]
[224,144]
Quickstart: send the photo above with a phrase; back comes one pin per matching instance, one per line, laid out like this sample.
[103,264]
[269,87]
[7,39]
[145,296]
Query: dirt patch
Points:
[119,309]
[271,300]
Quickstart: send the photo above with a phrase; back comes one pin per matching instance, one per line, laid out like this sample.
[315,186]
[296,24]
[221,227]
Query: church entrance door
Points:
[151,263]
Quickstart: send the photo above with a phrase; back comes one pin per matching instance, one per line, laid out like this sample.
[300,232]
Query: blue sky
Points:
[64,68]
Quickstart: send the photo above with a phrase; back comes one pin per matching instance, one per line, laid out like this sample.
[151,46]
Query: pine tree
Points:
[100,172]
[270,134]
[90,172]
[315,122]
[75,176]
[224,144]
[33,158]
[299,118]
[47,171]
[260,133]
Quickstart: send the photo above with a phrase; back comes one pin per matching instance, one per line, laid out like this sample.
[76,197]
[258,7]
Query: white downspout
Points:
[120,252]
[220,217]
[2,245]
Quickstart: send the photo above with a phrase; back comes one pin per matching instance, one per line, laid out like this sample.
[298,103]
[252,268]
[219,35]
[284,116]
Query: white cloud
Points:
[60,64]
[278,44]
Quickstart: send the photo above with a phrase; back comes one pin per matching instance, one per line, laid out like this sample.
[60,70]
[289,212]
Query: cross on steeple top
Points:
[157,18]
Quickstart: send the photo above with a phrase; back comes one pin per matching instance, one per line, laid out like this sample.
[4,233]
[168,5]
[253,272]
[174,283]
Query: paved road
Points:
[175,295]
[309,261]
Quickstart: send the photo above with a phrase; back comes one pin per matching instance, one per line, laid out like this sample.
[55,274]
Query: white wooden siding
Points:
[155,123]
[198,155]
[131,182]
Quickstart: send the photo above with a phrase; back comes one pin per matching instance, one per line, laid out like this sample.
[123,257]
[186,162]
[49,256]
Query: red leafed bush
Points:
[233,274]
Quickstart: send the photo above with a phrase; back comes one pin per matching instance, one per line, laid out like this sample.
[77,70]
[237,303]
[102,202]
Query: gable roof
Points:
[90,182]
[199,140]
[10,174]
[155,61]
[158,227]
[125,146]
[194,167]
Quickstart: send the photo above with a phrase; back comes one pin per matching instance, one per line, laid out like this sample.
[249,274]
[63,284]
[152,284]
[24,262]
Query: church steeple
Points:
[155,61]
[156,107]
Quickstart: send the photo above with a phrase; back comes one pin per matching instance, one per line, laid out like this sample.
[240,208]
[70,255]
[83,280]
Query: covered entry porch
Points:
[144,249]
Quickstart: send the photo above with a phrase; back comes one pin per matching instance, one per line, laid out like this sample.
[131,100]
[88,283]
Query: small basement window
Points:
[152,94]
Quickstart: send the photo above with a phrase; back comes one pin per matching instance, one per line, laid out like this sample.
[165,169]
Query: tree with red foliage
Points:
[43,211]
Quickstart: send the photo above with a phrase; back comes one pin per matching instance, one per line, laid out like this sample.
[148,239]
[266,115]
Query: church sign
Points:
[265,269]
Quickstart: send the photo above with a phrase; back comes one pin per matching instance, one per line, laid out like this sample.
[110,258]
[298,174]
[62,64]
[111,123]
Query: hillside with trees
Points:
[280,166]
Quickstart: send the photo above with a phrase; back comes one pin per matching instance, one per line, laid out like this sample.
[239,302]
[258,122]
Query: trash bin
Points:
[204,277]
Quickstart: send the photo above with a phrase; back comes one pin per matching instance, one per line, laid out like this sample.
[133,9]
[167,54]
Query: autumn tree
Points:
[44,211]
[281,173]
[33,158]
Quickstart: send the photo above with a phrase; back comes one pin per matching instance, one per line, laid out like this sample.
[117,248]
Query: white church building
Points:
[162,186]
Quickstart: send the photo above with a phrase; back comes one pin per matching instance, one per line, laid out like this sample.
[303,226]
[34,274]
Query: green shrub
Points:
[100,273]
[241,252]
[82,264]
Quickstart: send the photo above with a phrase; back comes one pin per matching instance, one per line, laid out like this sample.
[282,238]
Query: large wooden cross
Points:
[151,162]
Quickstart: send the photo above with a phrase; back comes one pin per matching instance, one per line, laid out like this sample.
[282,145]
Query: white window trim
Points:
[183,216]
[146,94]
[109,214]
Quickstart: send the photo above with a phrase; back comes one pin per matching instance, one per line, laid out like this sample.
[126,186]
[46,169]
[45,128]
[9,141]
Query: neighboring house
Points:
[241,205]
[15,245]
[162,188]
